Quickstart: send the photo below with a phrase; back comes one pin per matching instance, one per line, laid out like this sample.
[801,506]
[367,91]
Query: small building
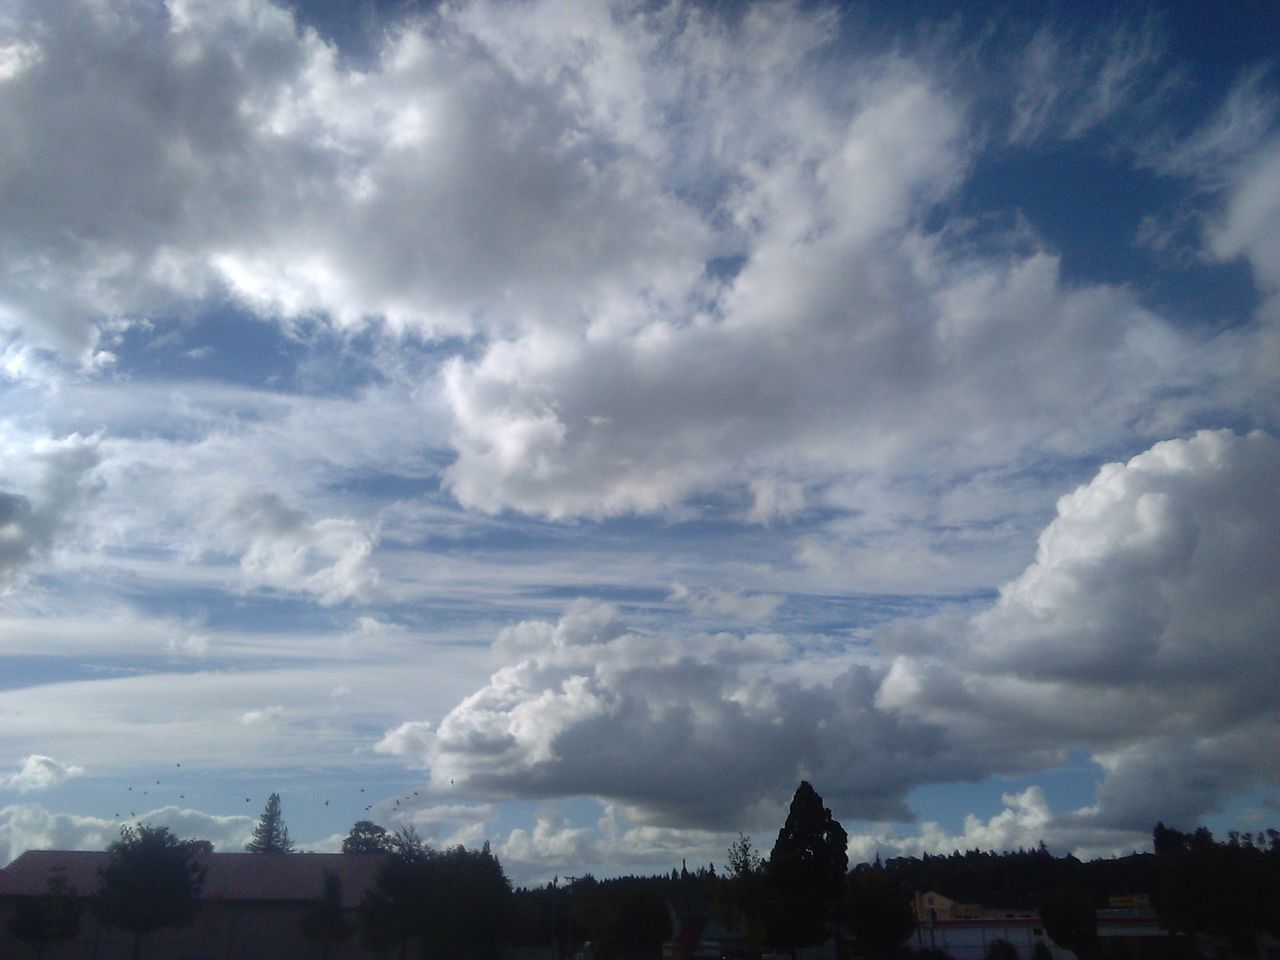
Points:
[970,938]
[251,905]
[932,906]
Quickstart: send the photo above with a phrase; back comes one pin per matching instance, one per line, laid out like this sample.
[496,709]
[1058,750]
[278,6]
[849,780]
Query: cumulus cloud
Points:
[711,195]
[1142,632]
[611,846]
[40,773]
[659,724]
[31,827]
[1025,821]
[302,185]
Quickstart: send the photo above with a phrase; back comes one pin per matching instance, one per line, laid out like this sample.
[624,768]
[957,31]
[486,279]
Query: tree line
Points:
[457,904]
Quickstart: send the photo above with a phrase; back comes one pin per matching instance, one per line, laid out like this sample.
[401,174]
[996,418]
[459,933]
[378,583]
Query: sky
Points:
[571,425]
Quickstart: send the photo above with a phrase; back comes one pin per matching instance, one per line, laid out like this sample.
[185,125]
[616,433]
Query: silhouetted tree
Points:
[643,919]
[1070,919]
[1220,888]
[327,924]
[52,917]
[151,880]
[367,837]
[270,835]
[878,909]
[806,870]
[471,905]
[456,901]
[743,895]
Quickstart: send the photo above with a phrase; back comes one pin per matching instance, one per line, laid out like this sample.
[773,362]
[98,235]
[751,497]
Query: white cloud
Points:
[609,375]
[267,715]
[659,722]
[731,604]
[31,827]
[611,846]
[40,773]
[307,184]
[1143,630]
[409,740]
[1141,633]
[285,549]
[1066,89]
[49,482]
[1025,821]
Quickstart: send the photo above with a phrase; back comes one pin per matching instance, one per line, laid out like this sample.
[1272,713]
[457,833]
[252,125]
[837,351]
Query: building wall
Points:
[969,939]
[221,931]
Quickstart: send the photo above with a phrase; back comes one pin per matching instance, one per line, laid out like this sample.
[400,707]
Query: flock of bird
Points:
[407,798]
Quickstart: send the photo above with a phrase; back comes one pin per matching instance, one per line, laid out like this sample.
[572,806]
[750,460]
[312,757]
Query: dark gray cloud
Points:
[55,479]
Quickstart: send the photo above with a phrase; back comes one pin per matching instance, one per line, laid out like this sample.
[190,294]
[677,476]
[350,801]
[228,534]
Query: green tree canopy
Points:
[742,896]
[151,880]
[806,870]
[367,837]
[270,835]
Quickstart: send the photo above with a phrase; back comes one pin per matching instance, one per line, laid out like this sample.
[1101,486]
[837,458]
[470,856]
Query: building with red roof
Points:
[252,905]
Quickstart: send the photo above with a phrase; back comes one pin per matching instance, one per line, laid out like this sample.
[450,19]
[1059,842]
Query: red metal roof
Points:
[229,876]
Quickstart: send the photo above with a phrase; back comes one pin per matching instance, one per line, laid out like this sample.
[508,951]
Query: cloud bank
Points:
[1143,633]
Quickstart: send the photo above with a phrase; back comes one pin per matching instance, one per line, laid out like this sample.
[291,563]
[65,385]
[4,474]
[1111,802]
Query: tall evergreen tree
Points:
[270,835]
[806,869]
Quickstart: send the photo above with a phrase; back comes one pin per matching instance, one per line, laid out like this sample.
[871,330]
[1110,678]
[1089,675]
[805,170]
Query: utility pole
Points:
[555,921]
[569,913]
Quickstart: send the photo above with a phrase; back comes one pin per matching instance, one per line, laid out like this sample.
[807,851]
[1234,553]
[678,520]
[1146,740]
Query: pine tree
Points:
[270,835]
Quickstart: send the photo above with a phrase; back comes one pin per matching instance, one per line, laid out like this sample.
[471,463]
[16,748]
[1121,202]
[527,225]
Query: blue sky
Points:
[571,425]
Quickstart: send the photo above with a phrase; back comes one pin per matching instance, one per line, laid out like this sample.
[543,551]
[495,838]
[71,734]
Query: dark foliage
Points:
[742,897]
[806,870]
[1019,879]
[327,924]
[1070,918]
[1001,950]
[455,902]
[367,837]
[1206,886]
[878,909]
[151,880]
[49,918]
[270,835]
